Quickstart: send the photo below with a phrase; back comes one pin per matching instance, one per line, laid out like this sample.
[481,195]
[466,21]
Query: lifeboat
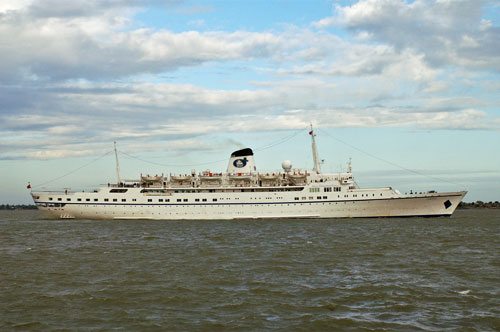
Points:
[269,176]
[151,178]
[240,176]
[210,177]
[347,181]
[297,175]
[180,177]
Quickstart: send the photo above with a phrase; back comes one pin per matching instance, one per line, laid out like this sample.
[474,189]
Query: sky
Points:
[410,90]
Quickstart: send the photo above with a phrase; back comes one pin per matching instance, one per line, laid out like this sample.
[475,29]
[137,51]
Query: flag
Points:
[29,186]
[311,132]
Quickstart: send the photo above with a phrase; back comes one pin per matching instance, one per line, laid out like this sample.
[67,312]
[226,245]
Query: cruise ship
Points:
[244,193]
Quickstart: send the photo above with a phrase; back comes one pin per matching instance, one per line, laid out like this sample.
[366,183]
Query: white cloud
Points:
[69,76]
[443,31]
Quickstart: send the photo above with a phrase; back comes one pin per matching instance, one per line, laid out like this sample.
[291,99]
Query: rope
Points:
[279,142]
[73,171]
[391,163]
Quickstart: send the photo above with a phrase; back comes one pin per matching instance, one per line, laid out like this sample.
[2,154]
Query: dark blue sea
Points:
[408,274]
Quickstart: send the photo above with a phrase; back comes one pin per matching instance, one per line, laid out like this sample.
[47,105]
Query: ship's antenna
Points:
[317,166]
[117,166]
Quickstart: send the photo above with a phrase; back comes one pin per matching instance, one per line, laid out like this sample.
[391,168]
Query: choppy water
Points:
[436,274]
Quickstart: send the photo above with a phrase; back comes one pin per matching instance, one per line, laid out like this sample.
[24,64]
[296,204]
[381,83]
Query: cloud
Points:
[75,77]
[80,117]
[443,31]
[70,41]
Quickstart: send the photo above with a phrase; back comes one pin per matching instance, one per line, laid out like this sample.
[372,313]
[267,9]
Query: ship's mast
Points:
[117,166]
[317,166]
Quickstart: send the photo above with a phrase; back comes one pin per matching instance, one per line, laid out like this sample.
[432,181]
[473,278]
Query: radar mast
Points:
[117,166]
[317,166]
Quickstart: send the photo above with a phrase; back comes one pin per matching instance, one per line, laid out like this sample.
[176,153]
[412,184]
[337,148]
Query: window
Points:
[95,199]
[79,199]
[87,199]
[196,199]
[319,197]
[106,199]
[215,199]
[115,200]
[324,197]
[204,199]
[336,189]
[167,200]
[160,200]
[327,189]
[179,200]
[124,200]
[68,199]
[296,198]
[185,200]
[150,200]
[50,198]
[59,199]
[118,191]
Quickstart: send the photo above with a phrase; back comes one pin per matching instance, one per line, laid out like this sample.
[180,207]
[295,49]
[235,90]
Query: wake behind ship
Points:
[244,193]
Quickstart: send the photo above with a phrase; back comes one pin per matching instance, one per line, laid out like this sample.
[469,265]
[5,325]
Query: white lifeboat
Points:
[209,176]
[347,181]
[297,175]
[240,176]
[151,178]
[269,176]
[180,177]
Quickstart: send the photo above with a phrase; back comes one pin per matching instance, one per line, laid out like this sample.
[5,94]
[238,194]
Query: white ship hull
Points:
[381,202]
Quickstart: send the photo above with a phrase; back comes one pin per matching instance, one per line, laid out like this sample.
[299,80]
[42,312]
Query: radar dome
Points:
[287,165]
